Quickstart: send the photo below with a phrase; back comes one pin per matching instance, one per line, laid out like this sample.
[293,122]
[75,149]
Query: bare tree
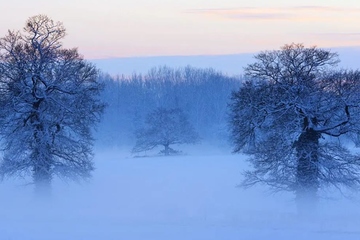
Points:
[165,127]
[49,102]
[289,117]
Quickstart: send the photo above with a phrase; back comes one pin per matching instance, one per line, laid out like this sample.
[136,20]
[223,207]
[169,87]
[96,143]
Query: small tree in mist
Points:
[289,117]
[165,127]
[49,101]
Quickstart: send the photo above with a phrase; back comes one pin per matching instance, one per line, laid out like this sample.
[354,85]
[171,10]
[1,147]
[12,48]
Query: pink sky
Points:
[113,28]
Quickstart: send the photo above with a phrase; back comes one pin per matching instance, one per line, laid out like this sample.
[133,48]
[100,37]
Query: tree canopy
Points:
[49,102]
[291,116]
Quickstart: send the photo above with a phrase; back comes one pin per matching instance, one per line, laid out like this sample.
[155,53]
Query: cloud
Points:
[339,34]
[298,13]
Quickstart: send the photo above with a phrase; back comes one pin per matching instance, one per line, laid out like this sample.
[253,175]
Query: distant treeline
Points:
[203,94]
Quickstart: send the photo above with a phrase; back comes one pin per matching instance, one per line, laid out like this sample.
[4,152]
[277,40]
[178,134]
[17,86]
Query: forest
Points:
[202,94]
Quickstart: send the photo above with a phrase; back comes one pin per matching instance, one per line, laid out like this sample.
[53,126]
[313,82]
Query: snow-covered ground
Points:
[189,197]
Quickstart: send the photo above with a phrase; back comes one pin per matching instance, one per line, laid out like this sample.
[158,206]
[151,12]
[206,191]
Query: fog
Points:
[231,64]
[190,196]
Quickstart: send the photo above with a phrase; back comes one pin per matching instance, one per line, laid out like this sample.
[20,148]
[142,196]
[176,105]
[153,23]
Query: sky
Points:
[138,28]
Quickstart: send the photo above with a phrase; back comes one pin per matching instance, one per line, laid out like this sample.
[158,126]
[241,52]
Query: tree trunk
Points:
[307,171]
[42,180]
[167,150]
[40,155]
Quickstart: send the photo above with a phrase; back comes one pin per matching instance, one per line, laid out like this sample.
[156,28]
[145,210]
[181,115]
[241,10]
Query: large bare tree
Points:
[49,102]
[292,115]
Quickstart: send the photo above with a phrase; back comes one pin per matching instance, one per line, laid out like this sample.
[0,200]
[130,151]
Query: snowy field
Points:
[188,197]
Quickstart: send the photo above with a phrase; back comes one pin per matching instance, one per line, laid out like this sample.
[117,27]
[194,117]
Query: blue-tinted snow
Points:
[189,197]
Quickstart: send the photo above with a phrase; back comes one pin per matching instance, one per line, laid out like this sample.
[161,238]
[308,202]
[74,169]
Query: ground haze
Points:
[191,196]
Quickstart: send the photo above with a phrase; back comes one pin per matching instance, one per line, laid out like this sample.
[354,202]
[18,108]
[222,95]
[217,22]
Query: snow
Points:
[186,197]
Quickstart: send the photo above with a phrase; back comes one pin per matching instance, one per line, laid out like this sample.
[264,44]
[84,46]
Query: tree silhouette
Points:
[49,101]
[165,127]
[289,117]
